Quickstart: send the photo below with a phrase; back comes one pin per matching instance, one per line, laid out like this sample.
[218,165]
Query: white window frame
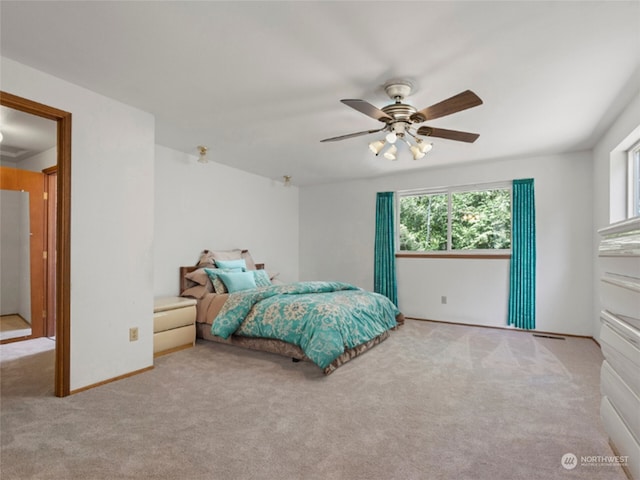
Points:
[633,180]
[449,190]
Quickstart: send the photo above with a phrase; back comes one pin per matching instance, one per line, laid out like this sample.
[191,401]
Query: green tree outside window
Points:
[480,220]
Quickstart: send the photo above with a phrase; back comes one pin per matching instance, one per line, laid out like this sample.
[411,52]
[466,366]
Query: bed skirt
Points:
[203,330]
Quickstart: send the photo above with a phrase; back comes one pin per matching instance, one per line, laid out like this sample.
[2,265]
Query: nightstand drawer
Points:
[174,338]
[170,319]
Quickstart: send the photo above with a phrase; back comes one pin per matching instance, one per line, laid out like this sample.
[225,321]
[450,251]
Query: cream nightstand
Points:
[174,324]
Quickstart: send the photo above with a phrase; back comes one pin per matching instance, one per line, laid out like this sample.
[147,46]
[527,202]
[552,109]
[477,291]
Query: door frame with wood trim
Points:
[63,234]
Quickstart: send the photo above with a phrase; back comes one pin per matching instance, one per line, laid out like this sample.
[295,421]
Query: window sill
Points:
[484,256]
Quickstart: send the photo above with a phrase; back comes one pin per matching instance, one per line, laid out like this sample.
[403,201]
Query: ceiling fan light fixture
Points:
[425,147]
[416,152]
[390,154]
[391,137]
[203,154]
[377,146]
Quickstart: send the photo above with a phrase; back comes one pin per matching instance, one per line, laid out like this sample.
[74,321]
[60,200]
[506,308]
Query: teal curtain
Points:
[384,271]
[522,285]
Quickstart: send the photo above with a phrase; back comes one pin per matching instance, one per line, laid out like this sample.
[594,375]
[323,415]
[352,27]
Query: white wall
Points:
[609,184]
[216,207]
[477,290]
[337,224]
[111,224]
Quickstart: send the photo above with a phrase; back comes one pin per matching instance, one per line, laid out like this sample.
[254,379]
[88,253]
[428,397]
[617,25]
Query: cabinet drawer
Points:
[620,436]
[174,338]
[620,345]
[626,403]
[620,295]
[168,319]
[629,266]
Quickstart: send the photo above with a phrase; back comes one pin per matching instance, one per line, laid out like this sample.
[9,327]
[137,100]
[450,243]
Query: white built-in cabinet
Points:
[619,259]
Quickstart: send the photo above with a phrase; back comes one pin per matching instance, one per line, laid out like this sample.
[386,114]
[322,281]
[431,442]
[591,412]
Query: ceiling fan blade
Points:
[351,135]
[457,103]
[367,109]
[448,134]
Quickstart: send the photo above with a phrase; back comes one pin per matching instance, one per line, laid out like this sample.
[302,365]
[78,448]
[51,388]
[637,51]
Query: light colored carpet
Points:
[434,401]
[13,326]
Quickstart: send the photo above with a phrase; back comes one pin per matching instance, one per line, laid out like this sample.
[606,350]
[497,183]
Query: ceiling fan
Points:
[400,118]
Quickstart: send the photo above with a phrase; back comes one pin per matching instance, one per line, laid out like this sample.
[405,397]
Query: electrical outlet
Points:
[133,334]
[443,299]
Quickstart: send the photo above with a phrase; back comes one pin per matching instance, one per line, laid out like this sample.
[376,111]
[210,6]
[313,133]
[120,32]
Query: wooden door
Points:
[32,182]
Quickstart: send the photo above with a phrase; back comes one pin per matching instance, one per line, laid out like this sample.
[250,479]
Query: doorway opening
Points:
[22,239]
[62,295]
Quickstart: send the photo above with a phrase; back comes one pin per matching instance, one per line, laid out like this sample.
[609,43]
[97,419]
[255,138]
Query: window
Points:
[633,173]
[456,219]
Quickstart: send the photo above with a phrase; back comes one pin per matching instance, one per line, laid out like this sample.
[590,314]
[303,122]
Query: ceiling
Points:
[24,135]
[260,83]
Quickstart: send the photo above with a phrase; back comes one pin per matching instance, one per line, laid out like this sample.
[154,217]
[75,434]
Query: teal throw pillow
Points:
[218,286]
[262,278]
[238,281]
[232,265]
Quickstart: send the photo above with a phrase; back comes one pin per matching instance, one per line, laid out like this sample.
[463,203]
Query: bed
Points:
[326,323]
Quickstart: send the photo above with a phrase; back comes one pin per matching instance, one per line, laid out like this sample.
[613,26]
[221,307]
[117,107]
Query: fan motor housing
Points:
[398,89]
[399,111]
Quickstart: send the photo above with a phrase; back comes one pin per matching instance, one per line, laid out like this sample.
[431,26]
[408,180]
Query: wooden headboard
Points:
[183,281]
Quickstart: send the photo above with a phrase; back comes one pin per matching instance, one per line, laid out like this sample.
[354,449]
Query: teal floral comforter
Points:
[322,318]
